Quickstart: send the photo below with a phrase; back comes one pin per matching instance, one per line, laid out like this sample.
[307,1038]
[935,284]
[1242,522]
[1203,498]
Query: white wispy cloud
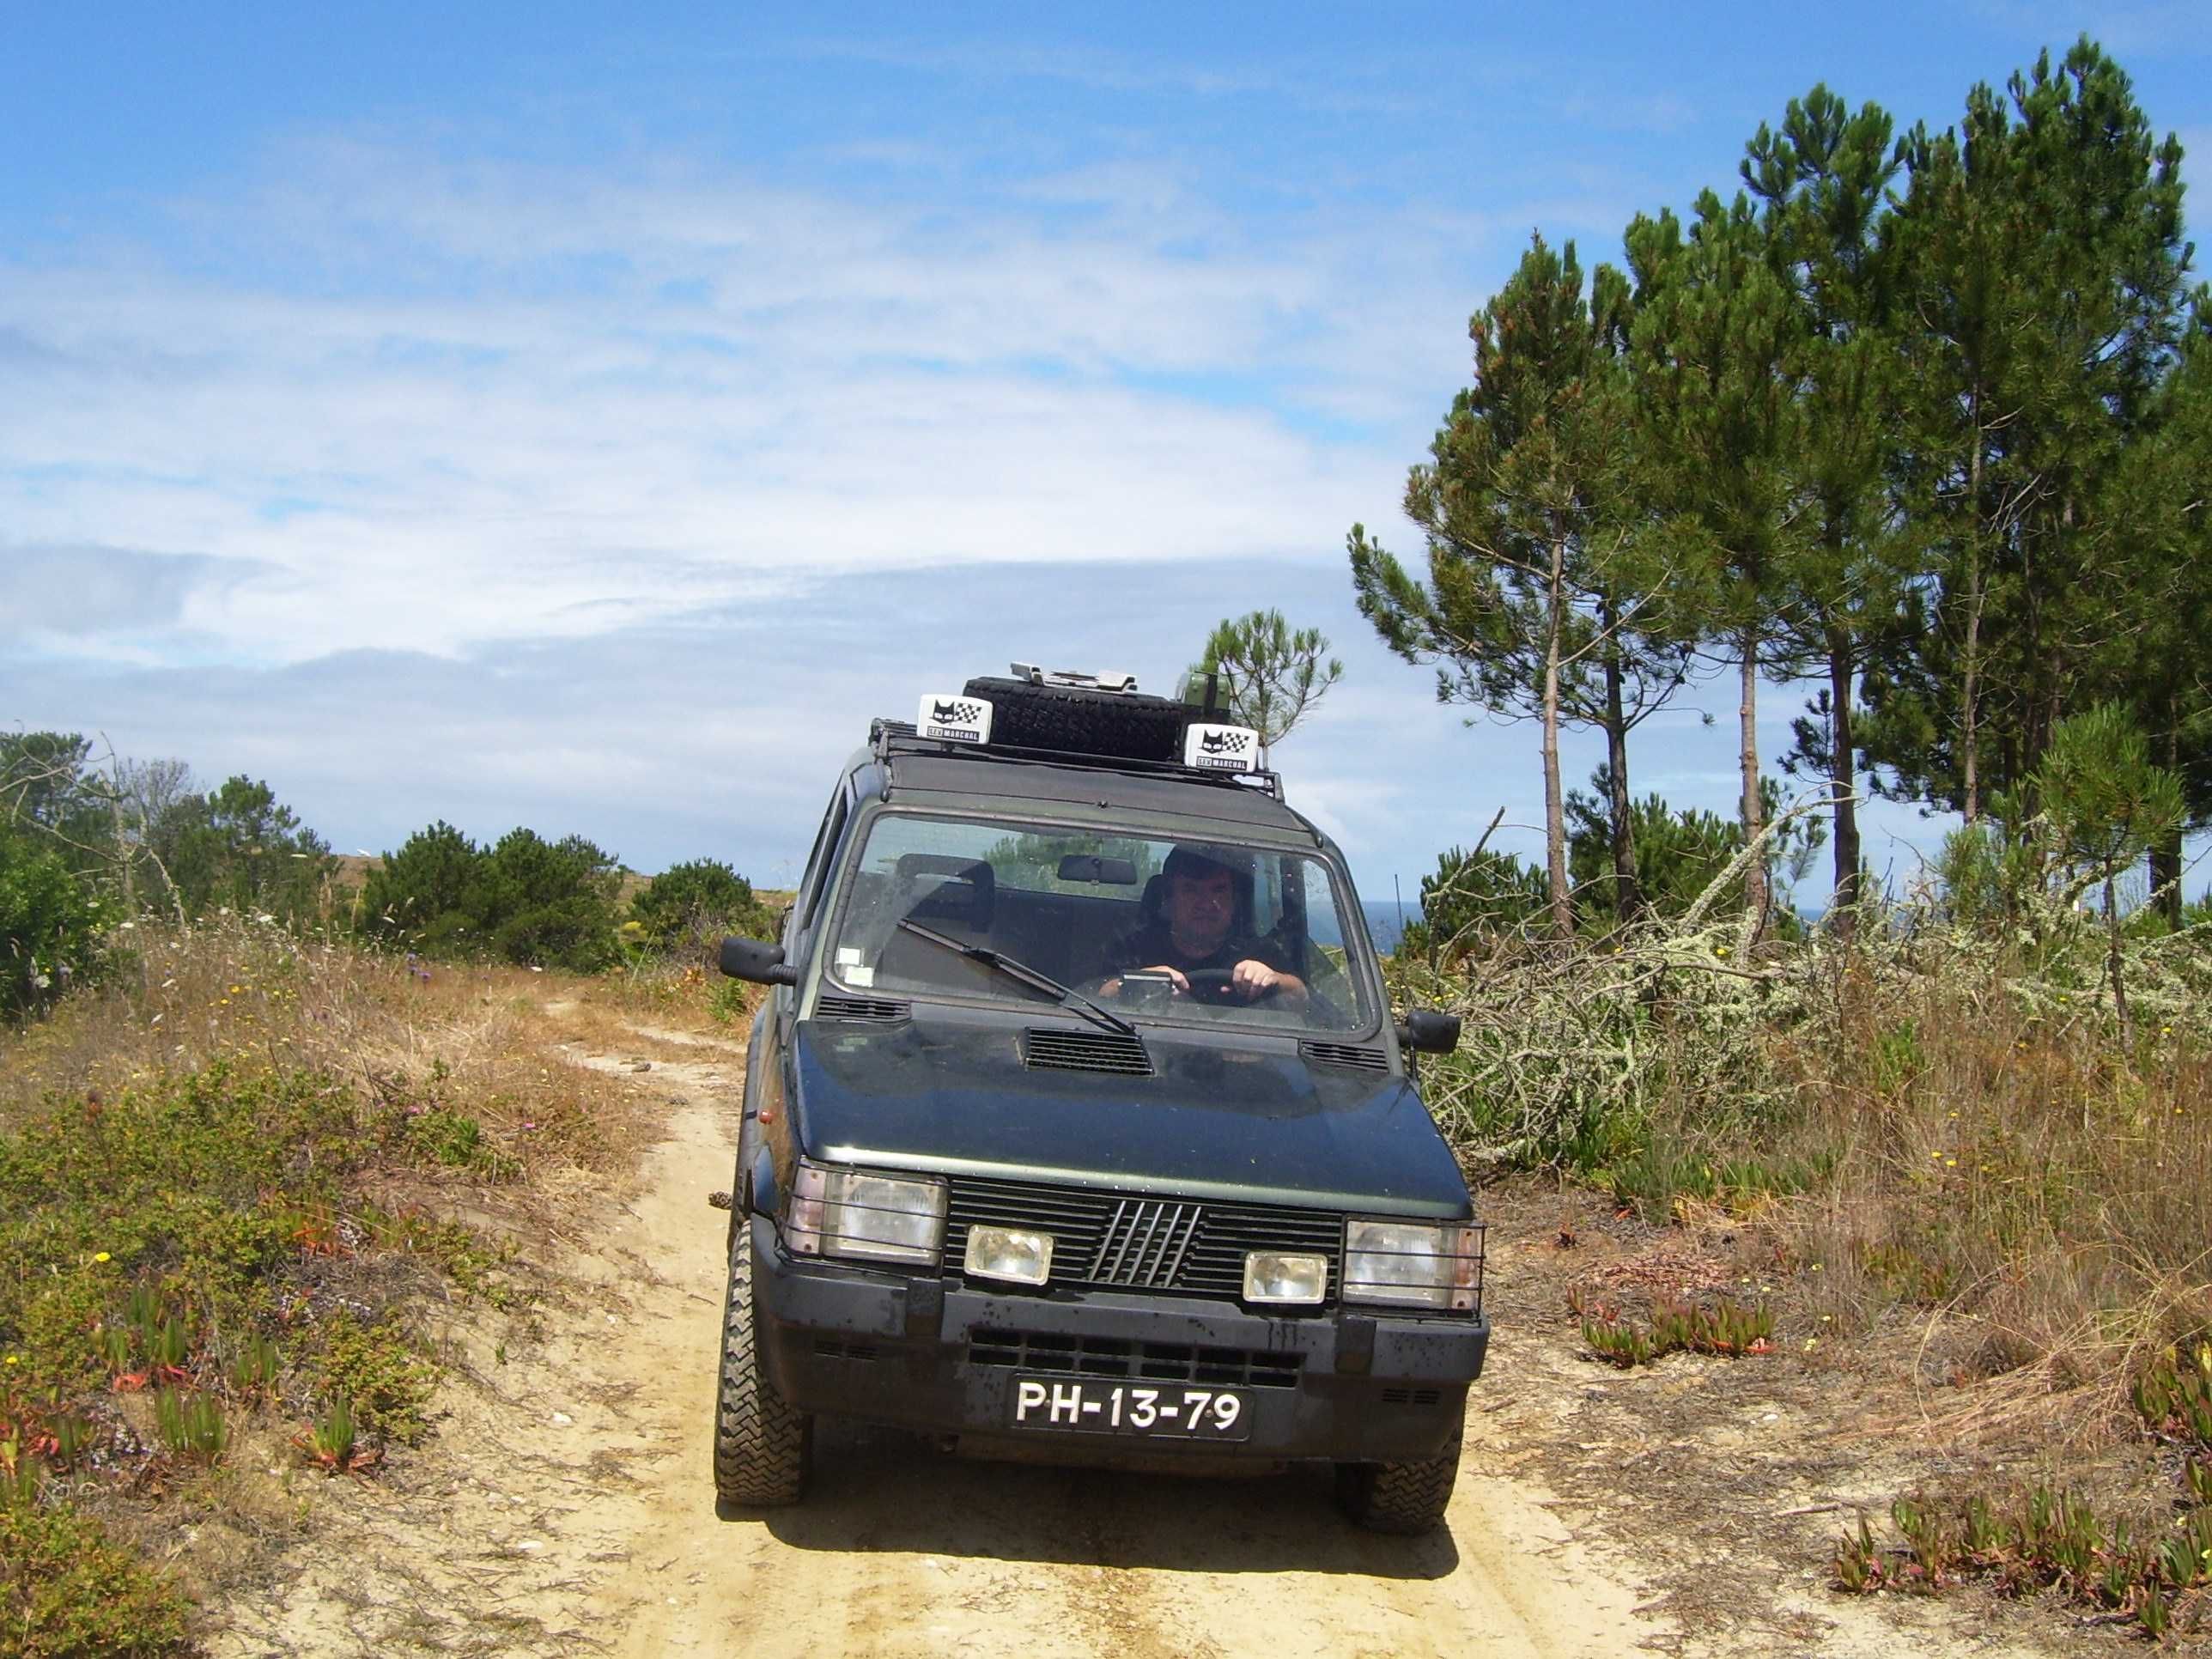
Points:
[394,400]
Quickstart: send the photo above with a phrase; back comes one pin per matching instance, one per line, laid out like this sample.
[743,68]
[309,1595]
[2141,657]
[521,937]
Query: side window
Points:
[817,871]
[1326,951]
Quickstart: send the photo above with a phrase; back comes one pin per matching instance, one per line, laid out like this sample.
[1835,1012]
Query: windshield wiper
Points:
[1070,999]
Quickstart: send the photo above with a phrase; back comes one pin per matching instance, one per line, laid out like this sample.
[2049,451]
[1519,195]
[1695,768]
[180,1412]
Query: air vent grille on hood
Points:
[1086,1051]
[1346,1054]
[861,1008]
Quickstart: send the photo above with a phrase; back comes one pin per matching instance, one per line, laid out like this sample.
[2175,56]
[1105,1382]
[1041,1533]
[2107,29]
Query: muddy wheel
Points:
[763,1445]
[1399,1497]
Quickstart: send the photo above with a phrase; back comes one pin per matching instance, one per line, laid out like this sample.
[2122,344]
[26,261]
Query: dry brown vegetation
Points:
[1959,1181]
[254,1183]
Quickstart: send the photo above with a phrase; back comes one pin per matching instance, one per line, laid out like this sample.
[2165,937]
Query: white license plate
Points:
[1187,1410]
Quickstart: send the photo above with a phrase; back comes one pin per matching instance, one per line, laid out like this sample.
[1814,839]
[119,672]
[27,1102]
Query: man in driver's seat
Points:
[1192,943]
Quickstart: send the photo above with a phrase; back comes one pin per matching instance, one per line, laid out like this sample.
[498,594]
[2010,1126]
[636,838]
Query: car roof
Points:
[950,777]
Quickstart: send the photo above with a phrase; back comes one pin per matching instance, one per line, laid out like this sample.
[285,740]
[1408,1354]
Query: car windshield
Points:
[1152,928]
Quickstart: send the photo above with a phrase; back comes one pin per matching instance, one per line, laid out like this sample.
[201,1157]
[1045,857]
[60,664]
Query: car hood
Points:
[1255,1121]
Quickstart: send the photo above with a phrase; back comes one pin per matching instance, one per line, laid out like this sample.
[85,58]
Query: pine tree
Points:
[1839,588]
[2040,253]
[1271,675]
[1535,586]
[1715,333]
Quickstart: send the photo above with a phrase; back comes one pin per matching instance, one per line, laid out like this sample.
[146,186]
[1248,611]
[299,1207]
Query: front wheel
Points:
[1406,1497]
[763,1445]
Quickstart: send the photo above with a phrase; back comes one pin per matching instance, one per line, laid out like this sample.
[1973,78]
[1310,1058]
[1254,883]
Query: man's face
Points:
[1199,905]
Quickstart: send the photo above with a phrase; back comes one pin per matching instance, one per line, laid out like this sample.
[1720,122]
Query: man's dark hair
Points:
[1195,859]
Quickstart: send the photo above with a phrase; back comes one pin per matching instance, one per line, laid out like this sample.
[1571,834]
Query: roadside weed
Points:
[191,1425]
[1724,1326]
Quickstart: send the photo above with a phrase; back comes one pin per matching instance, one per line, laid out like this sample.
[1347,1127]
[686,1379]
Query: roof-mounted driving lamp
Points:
[1213,748]
[954,717]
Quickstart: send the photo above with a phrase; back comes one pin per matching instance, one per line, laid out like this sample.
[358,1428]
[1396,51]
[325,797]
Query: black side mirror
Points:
[1427,1031]
[761,963]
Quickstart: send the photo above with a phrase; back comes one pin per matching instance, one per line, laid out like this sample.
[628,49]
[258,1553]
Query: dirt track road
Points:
[566,1507]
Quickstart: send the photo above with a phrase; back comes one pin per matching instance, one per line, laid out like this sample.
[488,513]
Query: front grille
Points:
[1144,1244]
[1086,1051]
[1346,1054]
[1093,1356]
[861,1008]
[1129,1240]
[1411,1396]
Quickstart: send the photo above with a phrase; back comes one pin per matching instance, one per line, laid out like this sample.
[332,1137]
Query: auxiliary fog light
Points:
[1279,1276]
[1008,1253]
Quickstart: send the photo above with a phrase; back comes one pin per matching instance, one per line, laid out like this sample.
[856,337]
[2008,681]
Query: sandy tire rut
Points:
[565,1506]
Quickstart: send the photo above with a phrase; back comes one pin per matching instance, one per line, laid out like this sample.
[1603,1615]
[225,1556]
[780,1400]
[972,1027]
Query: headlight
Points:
[1412,1264]
[1281,1276]
[861,1215]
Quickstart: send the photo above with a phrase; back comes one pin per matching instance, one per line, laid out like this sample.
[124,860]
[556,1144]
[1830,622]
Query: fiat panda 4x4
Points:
[1077,1126]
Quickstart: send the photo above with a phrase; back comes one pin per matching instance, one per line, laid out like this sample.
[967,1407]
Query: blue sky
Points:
[513,414]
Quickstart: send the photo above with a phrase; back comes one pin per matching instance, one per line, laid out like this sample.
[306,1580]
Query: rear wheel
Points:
[762,1444]
[1406,1497]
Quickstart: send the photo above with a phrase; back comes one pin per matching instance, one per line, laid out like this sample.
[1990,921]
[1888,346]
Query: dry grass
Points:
[1939,1131]
[2040,1201]
[482,1037]
[460,1104]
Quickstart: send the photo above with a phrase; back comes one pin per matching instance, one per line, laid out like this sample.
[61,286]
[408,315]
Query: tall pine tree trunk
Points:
[1843,780]
[1628,895]
[2112,960]
[1755,887]
[1555,810]
[2165,855]
[1970,658]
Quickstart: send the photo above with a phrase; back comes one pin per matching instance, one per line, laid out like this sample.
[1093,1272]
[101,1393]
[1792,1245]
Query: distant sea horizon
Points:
[1383,921]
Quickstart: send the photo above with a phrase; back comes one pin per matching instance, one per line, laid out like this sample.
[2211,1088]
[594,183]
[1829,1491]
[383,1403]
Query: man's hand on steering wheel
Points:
[1252,979]
[1249,980]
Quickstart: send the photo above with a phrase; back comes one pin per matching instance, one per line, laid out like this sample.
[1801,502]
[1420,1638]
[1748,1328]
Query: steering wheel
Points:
[1217,985]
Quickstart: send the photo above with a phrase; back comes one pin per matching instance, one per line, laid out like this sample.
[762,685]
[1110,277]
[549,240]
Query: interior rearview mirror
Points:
[755,960]
[1429,1031]
[1089,866]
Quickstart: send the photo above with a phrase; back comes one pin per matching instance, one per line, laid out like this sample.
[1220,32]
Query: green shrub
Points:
[534,902]
[693,905]
[375,1369]
[68,1593]
[51,923]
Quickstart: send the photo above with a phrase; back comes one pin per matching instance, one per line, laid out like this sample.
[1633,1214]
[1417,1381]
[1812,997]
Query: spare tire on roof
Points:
[1078,721]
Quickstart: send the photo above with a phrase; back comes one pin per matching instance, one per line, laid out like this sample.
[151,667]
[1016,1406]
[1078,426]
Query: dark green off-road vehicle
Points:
[1024,1167]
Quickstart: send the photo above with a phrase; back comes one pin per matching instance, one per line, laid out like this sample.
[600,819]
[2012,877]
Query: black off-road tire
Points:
[764,1446]
[1405,1499]
[1076,720]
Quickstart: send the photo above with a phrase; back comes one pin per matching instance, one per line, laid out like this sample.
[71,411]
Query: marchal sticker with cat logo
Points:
[1221,748]
[954,719]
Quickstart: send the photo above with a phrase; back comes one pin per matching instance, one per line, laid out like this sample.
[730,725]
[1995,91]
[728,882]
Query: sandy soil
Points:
[564,1505]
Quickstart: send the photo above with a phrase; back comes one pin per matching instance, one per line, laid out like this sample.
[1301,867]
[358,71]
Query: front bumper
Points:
[939,1357]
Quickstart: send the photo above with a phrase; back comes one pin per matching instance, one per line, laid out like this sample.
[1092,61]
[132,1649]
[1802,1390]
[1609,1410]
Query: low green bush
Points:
[68,1592]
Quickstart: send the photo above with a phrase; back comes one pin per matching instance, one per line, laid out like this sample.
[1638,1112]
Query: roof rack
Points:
[887,738]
